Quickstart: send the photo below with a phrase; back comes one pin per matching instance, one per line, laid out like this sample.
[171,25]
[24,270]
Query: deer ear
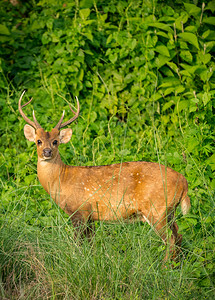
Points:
[29,133]
[65,135]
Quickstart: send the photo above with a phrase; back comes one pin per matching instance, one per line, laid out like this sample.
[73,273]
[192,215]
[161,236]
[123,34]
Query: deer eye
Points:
[39,142]
[55,142]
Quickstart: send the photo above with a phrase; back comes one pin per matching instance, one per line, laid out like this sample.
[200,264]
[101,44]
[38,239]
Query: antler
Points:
[59,125]
[35,124]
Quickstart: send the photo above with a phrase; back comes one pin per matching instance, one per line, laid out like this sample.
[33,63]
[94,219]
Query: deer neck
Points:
[49,172]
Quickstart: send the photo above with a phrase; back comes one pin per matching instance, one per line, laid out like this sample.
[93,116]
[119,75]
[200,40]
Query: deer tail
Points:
[185,202]
[185,205]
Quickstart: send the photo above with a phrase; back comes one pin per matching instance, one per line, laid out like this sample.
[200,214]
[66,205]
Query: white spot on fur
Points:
[146,220]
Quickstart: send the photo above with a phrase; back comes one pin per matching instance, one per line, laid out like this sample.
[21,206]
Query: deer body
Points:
[115,191]
[119,191]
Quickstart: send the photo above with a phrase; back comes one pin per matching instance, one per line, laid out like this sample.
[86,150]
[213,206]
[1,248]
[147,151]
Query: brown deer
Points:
[148,190]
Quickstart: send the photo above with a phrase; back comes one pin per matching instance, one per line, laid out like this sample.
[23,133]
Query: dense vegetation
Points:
[144,74]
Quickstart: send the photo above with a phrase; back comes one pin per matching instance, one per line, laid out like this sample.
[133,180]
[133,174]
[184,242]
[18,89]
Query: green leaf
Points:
[161,60]
[208,219]
[183,45]
[166,71]
[113,57]
[191,29]
[84,13]
[46,38]
[173,66]
[211,161]
[168,105]
[163,34]
[169,91]
[190,69]
[133,44]
[168,10]
[190,38]
[206,58]
[162,50]
[206,98]
[206,34]
[109,39]
[170,82]
[179,89]
[93,116]
[204,74]
[162,26]
[186,55]
[180,21]
[191,221]
[4,30]
[192,9]
[209,20]
[30,179]
[211,6]
[88,35]
[86,3]
[209,46]
[49,23]
[182,105]
[155,97]
[5,38]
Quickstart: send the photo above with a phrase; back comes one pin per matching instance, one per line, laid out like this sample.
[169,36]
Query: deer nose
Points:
[47,152]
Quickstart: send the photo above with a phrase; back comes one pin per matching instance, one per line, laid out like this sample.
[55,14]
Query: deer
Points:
[147,190]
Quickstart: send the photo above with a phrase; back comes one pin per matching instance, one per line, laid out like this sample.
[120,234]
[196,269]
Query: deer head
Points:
[47,142]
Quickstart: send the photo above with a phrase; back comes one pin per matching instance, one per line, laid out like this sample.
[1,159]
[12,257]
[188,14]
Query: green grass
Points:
[121,261]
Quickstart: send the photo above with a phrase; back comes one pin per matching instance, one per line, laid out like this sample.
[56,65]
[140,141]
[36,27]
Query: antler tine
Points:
[23,105]
[35,121]
[34,124]
[59,125]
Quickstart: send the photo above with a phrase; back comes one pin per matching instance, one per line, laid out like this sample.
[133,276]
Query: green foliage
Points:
[144,75]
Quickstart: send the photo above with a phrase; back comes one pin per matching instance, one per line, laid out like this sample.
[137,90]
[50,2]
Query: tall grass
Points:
[121,261]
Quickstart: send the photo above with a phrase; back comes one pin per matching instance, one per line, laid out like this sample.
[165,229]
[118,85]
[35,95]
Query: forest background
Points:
[144,74]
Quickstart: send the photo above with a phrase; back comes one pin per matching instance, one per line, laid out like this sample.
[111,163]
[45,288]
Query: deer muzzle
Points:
[47,152]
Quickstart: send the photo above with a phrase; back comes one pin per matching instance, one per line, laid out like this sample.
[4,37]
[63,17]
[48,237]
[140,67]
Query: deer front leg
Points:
[83,227]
